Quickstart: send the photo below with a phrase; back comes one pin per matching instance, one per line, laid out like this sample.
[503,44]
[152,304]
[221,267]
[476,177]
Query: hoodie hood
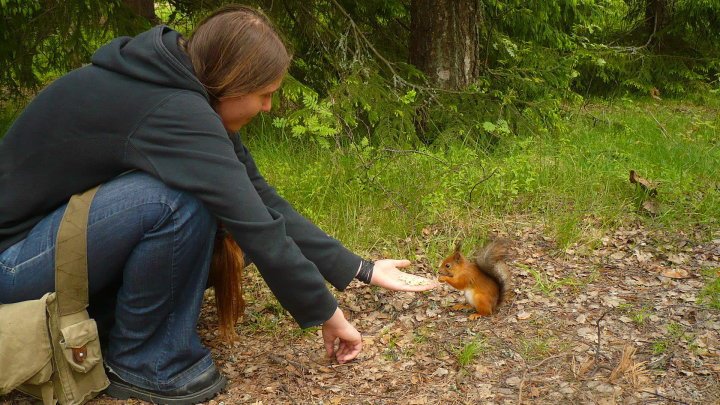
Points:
[153,56]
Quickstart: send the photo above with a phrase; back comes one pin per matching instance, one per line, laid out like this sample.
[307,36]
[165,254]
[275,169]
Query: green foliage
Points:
[351,76]
[676,54]
[359,108]
[710,294]
[41,39]
[370,195]
[516,140]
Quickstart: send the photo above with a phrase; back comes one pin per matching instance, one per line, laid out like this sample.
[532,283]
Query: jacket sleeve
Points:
[337,264]
[184,144]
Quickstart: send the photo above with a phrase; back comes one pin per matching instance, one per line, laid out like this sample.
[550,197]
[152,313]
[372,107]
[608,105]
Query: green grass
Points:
[575,181]
[710,294]
[675,334]
[466,354]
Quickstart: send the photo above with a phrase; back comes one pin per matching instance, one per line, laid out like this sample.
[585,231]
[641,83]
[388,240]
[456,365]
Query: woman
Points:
[154,119]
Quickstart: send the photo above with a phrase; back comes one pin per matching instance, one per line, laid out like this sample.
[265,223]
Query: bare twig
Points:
[522,380]
[520,386]
[484,179]
[282,361]
[597,347]
[664,397]
[662,128]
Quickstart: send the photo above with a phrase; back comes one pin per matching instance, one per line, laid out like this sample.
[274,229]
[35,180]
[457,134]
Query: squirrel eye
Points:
[447,265]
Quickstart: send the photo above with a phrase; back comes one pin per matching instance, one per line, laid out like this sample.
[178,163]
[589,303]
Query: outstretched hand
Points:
[386,275]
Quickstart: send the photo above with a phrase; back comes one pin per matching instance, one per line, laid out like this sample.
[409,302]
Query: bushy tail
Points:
[491,261]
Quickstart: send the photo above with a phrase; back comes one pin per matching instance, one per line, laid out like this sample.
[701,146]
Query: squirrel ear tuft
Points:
[457,255]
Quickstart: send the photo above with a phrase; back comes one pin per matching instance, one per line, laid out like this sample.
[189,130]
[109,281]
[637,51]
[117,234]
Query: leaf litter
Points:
[619,322]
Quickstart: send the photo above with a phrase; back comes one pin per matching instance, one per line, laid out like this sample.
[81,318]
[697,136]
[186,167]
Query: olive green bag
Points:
[49,348]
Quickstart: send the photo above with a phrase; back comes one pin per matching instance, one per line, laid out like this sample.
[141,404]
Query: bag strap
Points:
[71,279]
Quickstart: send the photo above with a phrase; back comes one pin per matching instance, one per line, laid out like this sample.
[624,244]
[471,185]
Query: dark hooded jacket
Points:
[139,106]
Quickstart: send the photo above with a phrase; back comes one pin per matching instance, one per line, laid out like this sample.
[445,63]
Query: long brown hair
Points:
[236,50]
[226,269]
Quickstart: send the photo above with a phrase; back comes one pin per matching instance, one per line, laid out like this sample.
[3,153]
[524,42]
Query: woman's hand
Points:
[337,328]
[386,274]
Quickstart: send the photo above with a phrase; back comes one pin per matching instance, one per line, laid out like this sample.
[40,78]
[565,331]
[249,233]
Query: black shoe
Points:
[202,388]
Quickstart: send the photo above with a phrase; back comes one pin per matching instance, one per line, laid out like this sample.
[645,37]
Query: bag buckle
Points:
[79,354]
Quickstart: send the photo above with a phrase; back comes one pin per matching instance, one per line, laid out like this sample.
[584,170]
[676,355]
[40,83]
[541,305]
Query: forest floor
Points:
[617,322]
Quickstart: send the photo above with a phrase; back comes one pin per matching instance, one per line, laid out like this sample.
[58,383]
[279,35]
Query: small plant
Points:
[675,333]
[467,354]
[420,336]
[535,348]
[392,351]
[660,346]
[638,315]
[641,315]
[262,322]
[547,286]
[710,294]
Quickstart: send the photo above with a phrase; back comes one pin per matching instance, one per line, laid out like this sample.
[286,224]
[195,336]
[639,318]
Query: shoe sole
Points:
[121,391]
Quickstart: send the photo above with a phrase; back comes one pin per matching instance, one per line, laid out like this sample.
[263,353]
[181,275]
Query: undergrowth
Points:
[575,179]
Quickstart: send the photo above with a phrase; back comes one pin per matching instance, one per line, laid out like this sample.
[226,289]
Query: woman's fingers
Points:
[401,263]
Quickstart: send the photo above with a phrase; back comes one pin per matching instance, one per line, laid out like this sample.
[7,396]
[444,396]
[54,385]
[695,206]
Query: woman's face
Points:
[238,111]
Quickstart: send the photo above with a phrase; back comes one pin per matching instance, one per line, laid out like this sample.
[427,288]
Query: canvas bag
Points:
[49,348]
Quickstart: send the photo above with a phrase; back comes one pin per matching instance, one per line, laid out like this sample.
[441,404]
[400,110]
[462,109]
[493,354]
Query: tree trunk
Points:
[143,8]
[655,20]
[445,41]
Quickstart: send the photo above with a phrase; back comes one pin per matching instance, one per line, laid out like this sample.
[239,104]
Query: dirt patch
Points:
[619,322]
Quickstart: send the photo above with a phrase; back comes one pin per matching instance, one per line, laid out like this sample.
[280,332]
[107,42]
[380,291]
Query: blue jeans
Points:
[149,250]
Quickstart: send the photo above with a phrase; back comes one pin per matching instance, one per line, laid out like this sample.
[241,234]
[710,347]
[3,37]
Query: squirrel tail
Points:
[491,261]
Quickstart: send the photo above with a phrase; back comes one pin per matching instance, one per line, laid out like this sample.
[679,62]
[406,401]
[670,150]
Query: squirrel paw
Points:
[475,316]
[458,307]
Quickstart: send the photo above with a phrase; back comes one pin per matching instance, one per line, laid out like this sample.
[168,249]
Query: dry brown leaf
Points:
[651,207]
[585,367]
[675,273]
[647,185]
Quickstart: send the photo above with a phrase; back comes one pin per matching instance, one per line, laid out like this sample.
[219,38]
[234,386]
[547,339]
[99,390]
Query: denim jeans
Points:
[149,250]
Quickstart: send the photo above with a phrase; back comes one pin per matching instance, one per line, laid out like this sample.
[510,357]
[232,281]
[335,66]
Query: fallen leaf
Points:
[440,372]
[675,273]
[677,259]
[651,207]
[647,185]
[513,381]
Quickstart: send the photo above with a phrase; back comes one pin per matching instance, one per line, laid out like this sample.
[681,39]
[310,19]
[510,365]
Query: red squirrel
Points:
[484,279]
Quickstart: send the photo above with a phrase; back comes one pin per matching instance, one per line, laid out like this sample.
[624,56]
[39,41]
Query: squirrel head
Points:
[453,262]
